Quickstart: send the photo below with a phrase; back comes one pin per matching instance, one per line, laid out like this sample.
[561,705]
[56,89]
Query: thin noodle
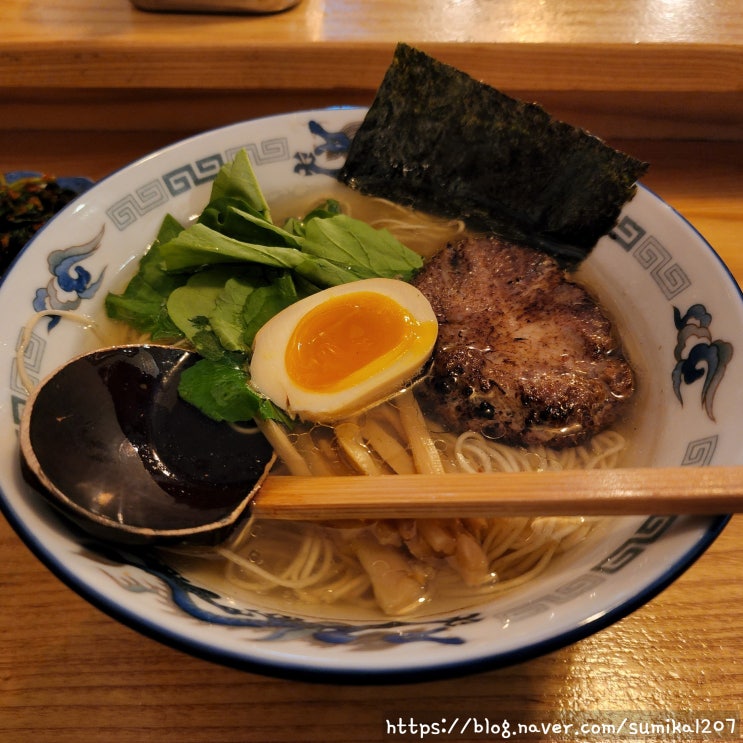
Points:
[418,230]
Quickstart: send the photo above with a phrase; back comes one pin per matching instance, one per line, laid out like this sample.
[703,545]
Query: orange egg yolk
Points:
[348,338]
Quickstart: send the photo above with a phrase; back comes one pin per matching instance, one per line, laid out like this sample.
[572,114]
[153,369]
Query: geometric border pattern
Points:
[649,531]
[666,273]
[271,150]
[699,453]
[32,357]
[652,255]
[127,210]
[562,594]
[190,175]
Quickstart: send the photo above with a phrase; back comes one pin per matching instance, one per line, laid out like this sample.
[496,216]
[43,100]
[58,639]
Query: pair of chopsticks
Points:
[610,492]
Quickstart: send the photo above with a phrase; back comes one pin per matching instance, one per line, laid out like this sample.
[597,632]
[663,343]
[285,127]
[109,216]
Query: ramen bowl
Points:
[681,315]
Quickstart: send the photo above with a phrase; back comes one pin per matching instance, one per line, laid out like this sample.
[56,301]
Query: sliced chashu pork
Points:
[524,355]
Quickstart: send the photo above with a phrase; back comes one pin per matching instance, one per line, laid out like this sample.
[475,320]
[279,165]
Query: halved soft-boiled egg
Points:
[344,349]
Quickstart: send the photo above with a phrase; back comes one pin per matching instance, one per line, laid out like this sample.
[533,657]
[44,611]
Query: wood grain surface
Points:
[605,492]
[694,41]
[647,68]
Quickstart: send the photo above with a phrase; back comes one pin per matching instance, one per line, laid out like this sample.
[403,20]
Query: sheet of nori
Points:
[438,140]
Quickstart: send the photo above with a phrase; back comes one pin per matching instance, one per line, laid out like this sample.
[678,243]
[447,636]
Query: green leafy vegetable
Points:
[227,318]
[219,388]
[196,299]
[199,246]
[437,139]
[366,251]
[232,219]
[335,249]
[237,180]
[265,302]
[142,305]
[298,226]
[218,281]
[26,205]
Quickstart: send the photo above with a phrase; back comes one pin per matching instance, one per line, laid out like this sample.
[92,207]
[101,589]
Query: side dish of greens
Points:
[216,282]
[27,203]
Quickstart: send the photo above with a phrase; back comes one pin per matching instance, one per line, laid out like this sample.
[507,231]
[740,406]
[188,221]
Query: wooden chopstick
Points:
[615,492]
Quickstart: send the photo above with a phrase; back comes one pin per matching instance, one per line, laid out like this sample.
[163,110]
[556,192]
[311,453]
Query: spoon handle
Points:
[614,492]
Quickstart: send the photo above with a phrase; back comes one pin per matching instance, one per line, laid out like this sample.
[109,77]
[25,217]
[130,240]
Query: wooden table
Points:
[620,67]
[89,85]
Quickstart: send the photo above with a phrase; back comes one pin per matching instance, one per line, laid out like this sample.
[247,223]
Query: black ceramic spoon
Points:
[107,439]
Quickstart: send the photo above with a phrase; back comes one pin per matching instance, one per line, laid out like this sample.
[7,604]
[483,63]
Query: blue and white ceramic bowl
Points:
[665,284]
